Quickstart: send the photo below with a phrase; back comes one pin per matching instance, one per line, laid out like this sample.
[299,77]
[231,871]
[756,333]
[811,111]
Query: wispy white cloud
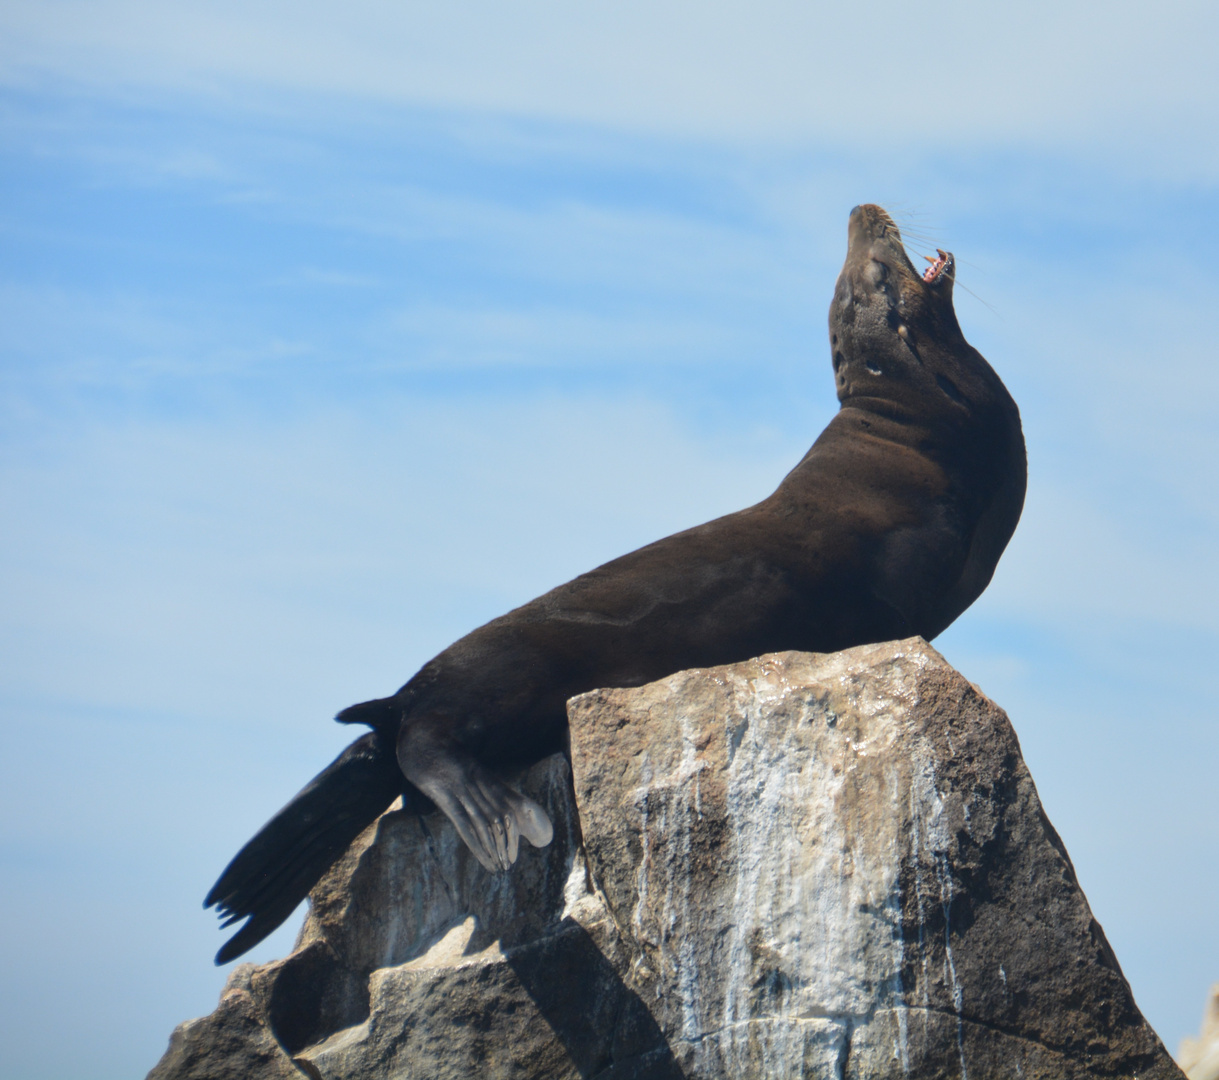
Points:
[1040,70]
[456,338]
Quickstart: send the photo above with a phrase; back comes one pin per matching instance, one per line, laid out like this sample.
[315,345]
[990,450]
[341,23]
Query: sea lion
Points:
[891,525]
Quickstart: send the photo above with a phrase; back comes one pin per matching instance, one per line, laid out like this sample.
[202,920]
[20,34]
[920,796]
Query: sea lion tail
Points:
[276,869]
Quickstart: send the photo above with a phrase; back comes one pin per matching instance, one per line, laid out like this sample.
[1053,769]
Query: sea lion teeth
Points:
[937,266]
[890,526]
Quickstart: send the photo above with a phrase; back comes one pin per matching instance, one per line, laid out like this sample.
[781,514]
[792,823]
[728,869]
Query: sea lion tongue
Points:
[942,267]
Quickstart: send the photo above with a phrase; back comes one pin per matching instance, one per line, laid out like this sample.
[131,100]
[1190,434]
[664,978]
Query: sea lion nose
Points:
[856,226]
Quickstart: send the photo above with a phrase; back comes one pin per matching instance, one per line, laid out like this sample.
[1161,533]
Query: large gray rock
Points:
[1200,1057]
[802,865]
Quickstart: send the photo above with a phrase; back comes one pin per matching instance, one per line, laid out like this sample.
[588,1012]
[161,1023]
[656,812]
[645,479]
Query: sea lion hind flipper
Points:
[274,872]
[488,815]
[264,922]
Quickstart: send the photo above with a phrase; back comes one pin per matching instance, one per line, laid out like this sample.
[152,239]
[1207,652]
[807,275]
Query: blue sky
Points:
[324,338]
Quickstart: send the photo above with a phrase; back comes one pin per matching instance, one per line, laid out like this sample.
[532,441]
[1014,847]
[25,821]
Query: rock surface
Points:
[1200,1057]
[801,865]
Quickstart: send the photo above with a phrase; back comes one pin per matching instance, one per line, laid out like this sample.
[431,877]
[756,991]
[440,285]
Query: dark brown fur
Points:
[891,525]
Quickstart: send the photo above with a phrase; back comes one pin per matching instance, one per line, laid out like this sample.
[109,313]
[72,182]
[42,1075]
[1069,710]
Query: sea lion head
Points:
[893,330]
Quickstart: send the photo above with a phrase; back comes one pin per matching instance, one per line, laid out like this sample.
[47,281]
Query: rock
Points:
[233,1041]
[1200,1057]
[801,865]
[839,864]
[414,961]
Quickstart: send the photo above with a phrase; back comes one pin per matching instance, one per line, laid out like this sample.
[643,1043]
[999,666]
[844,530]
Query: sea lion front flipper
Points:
[488,815]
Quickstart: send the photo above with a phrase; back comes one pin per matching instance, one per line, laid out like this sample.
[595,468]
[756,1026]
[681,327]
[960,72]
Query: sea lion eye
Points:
[877,272]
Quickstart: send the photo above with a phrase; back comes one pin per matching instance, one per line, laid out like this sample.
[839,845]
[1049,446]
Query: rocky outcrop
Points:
[802,865]
[1200,1057]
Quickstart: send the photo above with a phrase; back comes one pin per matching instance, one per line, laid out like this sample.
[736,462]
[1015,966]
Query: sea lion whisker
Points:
[920,229]
[990,307]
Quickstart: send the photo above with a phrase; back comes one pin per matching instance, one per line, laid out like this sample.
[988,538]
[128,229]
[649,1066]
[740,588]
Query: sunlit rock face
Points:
[799,866]
[1200,1057]
[838,866]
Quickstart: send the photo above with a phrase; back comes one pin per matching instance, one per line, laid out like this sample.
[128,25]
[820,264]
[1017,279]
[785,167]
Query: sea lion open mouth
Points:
[939,267]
